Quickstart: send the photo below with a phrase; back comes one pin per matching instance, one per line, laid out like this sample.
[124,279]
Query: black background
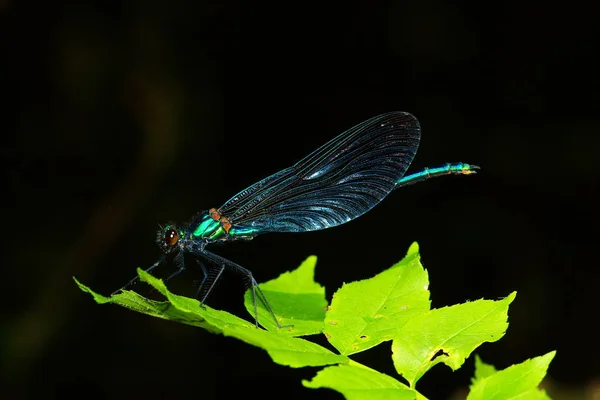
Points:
[118,117]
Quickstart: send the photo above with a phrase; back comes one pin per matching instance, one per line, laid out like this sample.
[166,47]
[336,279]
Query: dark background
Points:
[119,117]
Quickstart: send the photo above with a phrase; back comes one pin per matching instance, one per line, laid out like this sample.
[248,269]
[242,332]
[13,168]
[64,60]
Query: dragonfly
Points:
[333,185]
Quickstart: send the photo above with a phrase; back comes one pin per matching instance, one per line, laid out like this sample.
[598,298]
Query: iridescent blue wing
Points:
[336,183]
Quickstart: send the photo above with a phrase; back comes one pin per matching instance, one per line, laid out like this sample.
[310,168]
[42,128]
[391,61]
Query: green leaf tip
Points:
[413,249]
[98,297]
[517,381]
[482,370]
[299,281]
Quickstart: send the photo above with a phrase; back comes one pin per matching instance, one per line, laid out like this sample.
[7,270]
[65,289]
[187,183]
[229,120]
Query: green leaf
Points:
[285,350]
[177,308]
[448,335]
[366,313]
[393,305]
[361,383]
[297,300]
[482,370]
[515,382]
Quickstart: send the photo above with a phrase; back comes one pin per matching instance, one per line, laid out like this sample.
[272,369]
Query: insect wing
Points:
[336,183]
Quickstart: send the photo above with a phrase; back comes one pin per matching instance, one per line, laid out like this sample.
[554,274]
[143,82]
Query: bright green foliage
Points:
[391,306]
[482,370]
[359,382]
[297,300]
[518,381]
[448,335]
[285,350]
[176,308]
[363,314]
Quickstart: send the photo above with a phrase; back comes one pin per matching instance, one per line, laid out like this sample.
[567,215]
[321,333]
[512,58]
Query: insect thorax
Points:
[212,226]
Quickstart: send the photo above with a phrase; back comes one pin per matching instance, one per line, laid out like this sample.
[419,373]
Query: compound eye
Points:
[171,237]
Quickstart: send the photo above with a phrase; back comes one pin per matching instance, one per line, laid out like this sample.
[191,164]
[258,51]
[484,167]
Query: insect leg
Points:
[204,276]
[137,278]
[180,265]
[211,277]
[254,285]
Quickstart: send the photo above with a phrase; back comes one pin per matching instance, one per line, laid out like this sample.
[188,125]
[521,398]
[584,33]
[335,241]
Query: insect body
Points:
[335,184]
